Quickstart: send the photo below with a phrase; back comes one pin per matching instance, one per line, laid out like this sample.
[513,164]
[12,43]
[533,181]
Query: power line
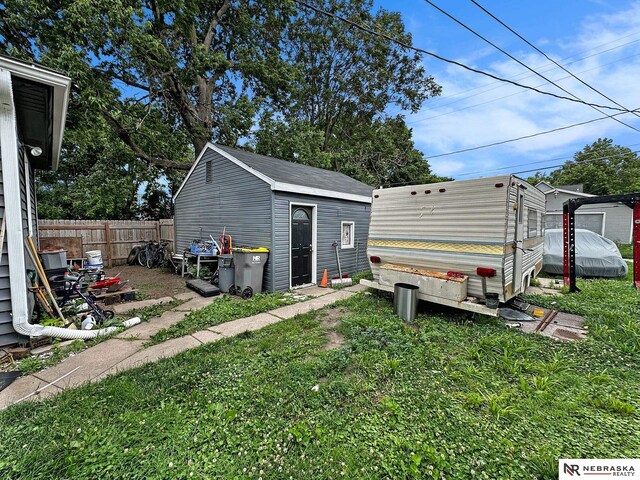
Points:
[588,160]
[544,54]
[486,40]
[539,162]
[371,31]
[502,142]
[424,119]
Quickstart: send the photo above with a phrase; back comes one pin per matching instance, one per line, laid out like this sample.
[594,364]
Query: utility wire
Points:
[588,160]
[502,142]
[402,44]
[545,55]
[541,161]
[439,99]
[424,119]
[466,27]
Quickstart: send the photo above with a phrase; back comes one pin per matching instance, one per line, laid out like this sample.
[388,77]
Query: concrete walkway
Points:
[126,350]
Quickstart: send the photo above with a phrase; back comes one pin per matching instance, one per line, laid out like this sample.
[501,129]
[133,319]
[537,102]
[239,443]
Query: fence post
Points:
[107,237]
[158,230]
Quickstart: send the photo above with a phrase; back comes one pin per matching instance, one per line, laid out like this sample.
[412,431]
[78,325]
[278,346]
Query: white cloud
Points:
[507,112]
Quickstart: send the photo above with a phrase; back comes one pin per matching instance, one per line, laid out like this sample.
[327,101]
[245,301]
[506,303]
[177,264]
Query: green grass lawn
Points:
[224,309]
[446,397]
[626,250]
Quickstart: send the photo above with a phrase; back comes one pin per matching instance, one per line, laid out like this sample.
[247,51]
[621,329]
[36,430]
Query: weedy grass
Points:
[626,250]
[34,364]
[222,310]
[443,397]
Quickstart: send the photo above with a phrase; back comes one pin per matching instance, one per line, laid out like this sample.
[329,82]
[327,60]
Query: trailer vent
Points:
[442,190]
[376,196]
[413,193]
[499,185]
[427,192]
[374,259]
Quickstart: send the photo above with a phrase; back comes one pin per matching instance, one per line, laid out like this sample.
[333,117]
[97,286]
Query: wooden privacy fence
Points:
[114,238]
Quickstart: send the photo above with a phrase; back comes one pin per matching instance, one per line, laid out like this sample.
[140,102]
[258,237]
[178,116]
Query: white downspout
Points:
[27,181]
[13,215]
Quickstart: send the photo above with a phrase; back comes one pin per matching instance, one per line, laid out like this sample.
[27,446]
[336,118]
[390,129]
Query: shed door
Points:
[300,246]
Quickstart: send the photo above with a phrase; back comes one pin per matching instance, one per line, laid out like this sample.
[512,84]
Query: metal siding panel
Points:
[330,212]
[234,199]
[470,212]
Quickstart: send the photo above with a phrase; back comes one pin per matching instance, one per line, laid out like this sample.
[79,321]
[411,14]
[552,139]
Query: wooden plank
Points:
[107,236]
[73,245]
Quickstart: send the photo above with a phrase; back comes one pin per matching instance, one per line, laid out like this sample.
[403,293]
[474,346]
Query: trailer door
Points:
[518,250]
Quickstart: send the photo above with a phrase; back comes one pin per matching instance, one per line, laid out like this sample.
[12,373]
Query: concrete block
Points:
[207,336]
[22,387]
[92,362]
[248,324]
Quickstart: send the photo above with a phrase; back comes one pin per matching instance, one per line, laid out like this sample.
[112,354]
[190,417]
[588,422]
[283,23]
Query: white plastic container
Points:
[94,258]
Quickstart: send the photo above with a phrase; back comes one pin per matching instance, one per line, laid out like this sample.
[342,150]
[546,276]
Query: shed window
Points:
[208,175]
[348,232]
[532,223]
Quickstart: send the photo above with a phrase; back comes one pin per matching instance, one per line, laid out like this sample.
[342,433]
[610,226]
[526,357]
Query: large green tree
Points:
[155,80]
[335,114]
[602,167]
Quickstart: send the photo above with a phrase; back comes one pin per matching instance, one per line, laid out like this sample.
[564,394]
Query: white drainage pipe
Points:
[33,330]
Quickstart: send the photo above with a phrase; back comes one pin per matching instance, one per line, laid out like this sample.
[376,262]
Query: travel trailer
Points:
[467,244]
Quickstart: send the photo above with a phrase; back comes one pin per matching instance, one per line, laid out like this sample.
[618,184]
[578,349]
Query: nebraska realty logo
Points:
[593,469]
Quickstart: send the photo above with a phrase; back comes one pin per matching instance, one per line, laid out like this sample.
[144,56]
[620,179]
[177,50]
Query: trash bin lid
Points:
[251,250]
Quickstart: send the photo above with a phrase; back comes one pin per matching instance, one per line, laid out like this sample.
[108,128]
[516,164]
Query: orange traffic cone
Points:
[325,279]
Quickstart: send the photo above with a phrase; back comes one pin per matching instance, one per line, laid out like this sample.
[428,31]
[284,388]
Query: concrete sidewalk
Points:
[126,350]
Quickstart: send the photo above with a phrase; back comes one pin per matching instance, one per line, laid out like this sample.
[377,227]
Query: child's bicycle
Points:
[72,290]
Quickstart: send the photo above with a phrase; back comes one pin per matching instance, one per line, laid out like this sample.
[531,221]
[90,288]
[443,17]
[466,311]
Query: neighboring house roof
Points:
[286,176]
[40,96]
[546,188]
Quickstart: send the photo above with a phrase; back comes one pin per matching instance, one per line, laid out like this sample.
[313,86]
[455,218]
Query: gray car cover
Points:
[596,256]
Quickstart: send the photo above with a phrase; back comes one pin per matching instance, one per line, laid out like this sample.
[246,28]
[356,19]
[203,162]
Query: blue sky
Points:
[597,40]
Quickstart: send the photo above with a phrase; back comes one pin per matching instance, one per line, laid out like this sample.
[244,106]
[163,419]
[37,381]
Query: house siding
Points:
[234,199]
[617,218]
[330,213]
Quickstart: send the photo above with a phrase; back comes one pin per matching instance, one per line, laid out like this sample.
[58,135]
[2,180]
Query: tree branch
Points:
[214,23]
[125,136]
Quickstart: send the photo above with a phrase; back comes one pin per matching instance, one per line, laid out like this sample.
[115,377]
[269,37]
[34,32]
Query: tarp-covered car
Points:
[596,256]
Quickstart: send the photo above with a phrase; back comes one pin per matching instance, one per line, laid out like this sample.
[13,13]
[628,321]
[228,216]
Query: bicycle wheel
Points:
[133,255]
[142,257]
[151,258]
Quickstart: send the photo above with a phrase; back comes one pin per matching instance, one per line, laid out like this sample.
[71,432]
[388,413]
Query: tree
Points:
[335,115]
[156,203]
[168,76]
[603,168]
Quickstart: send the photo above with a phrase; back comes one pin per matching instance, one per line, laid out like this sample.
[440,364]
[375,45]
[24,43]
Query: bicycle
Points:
[159,255]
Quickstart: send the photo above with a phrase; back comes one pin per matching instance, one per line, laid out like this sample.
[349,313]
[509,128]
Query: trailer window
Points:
[347,234]
[532,223]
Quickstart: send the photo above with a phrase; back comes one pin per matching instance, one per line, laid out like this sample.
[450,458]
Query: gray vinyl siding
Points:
[330,214]
[234,199]
[617,217]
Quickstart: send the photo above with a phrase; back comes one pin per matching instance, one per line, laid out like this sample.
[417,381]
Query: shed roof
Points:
[292,177]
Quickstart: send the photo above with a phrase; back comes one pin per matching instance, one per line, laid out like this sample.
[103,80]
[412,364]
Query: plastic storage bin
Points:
[54,259]
[249,270]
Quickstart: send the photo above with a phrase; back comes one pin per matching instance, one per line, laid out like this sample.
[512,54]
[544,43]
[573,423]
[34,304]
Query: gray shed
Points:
[295,210]
[33,105]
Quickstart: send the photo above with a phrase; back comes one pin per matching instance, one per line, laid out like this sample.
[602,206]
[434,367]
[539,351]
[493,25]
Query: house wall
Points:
[617,217]
[330,213]
[7,334]
[234,199]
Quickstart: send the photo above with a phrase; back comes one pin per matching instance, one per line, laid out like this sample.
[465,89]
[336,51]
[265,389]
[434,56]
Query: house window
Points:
[532,223]
[208,175]
[347,233]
